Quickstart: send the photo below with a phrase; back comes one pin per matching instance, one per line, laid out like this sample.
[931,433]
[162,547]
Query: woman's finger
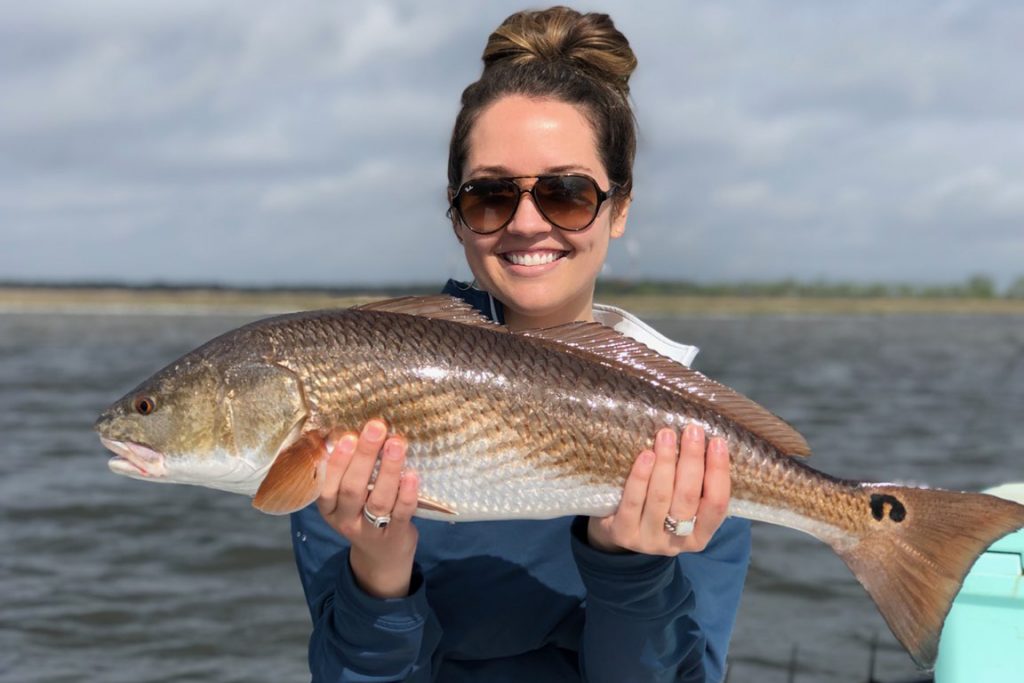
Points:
[662,481]
[381,500]
[341,448]
[714,505]
[405,504]
[354,482]
[333,437]
[689,474]
[634,492]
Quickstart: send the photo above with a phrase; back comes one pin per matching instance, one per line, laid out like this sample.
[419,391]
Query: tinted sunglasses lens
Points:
[570,202]
[486,205]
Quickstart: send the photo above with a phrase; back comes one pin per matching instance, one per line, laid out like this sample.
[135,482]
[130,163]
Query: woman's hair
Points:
[558,53]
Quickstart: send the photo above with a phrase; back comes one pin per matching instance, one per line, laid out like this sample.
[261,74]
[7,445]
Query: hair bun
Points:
[560,34]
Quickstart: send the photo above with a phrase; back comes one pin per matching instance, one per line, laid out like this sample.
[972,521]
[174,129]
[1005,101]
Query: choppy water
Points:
[108,579]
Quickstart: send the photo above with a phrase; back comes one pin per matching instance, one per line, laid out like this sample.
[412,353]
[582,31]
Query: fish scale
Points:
[485,412]
[496,411]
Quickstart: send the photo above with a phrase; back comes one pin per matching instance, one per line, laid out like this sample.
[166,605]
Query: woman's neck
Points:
[516,320]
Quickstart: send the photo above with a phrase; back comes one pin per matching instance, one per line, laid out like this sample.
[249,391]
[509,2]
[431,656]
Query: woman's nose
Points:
[528,220]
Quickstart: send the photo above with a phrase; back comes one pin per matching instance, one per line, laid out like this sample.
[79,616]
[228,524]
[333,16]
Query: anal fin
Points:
[435,506]
[296,477]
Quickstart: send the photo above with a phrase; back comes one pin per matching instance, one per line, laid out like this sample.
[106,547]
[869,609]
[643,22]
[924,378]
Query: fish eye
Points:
[144,405]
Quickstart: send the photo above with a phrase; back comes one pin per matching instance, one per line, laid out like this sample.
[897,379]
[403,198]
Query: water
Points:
[103,578]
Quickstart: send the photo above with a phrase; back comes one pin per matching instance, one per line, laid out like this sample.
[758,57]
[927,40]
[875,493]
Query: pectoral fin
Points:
[296,477]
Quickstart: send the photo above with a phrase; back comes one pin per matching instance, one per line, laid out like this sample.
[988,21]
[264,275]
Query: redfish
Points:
[529,424]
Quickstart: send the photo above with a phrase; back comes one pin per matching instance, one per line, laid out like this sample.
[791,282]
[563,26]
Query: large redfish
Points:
[533,424]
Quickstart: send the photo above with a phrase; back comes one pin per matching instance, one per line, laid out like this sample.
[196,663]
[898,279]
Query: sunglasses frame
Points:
[602,196]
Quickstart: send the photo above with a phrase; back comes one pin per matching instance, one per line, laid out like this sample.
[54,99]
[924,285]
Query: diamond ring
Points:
[378,521]
[679,528]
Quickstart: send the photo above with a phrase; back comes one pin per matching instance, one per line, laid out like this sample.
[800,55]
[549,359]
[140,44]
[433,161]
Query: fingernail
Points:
[374,430]
[693,433]
[666,438]
[392,450]
[646,457]
[347,445]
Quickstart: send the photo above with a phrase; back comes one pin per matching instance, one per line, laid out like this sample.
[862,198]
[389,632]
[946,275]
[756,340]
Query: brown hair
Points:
[558,53]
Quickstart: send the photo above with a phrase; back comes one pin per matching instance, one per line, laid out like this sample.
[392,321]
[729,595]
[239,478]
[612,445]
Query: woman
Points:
[540,178]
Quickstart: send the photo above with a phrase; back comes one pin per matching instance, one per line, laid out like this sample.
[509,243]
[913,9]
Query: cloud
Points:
[262,142]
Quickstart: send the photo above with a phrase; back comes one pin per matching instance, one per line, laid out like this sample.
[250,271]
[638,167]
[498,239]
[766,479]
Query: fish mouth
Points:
[134,459]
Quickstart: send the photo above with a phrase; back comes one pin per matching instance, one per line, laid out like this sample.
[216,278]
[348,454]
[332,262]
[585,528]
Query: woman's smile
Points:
[533,261]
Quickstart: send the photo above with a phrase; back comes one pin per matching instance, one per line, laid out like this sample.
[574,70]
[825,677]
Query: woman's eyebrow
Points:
[488,171]
[504,171]
[570,168]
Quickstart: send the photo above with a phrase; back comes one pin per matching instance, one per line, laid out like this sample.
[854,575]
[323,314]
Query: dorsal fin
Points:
[439,307]
[615,349]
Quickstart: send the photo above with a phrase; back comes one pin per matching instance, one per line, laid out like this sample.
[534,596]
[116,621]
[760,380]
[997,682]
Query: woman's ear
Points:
[620,211]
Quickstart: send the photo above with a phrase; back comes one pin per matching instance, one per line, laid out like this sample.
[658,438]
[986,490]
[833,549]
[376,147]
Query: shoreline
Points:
[116,300]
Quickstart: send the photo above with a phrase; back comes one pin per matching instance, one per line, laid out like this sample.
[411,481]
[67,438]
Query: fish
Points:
[528,424]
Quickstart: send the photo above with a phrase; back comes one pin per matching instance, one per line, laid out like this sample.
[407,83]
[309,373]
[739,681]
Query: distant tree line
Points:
[338,290]
[975,287]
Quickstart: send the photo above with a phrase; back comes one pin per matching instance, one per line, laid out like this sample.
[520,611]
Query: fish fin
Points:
[918,548]
[435,506]
[296,477]
[615,349]
[439,307]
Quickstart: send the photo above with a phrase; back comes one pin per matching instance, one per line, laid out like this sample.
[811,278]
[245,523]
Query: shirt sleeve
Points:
[717,576]
[357,638]
[651,618]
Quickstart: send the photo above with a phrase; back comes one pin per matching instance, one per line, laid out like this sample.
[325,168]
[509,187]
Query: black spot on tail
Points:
[897,511]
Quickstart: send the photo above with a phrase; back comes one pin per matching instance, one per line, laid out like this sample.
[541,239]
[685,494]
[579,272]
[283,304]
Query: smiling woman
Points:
[540,182]
[543,274]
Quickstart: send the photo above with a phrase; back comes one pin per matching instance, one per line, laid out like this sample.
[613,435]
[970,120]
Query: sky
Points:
[305,143]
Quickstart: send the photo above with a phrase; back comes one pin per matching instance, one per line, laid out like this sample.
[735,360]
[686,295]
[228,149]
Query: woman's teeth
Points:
[533,258]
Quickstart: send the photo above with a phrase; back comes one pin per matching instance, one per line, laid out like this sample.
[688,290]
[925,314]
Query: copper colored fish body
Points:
[535,424]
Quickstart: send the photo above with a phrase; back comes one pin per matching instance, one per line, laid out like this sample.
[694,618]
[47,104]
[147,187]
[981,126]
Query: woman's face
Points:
[542,274]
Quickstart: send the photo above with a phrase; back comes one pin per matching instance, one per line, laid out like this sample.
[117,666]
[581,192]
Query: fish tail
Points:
[917,548]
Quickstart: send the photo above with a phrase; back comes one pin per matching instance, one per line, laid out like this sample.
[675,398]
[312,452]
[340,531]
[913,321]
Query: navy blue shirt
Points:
[522,601]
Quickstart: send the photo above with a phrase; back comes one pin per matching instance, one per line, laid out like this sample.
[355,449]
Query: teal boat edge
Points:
[983,638]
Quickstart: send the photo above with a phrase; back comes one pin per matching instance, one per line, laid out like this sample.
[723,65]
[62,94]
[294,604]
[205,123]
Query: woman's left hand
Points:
[682,482]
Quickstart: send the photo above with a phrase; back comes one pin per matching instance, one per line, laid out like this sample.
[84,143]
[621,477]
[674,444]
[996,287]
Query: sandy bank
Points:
[171,301]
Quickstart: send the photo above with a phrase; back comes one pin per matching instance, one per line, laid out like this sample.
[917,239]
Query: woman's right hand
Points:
[381,559]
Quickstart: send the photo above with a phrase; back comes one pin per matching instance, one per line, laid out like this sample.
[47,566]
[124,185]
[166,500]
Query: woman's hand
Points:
[680,482]
[381,559]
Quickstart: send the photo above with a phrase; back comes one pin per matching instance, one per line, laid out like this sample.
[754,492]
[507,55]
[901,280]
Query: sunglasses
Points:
[570,202]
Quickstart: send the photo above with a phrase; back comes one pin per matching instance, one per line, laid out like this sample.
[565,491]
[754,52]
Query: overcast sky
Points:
[259,142]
